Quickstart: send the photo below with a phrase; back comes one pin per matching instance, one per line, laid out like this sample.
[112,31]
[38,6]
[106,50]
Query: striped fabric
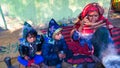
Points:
[83,52]
[115,33]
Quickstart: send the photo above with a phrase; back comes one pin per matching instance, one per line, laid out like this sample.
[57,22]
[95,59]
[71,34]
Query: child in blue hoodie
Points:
[54,49]
[30,47]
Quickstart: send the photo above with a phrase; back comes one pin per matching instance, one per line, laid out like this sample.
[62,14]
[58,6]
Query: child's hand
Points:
[38,53]
[26,58]
[62,55]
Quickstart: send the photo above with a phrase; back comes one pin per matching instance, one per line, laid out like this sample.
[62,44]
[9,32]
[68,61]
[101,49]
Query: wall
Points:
[41,11]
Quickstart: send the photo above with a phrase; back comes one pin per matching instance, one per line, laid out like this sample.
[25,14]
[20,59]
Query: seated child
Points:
[54,48]
[30,47]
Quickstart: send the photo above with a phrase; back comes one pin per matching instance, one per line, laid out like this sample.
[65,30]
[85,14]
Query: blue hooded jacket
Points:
[24,47]
[52,47]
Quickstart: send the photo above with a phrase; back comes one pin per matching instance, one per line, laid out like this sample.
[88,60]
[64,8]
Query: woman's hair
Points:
[32,33]
[91,7]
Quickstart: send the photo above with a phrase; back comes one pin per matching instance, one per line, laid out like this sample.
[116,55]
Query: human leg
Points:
[38,59]
[22,61]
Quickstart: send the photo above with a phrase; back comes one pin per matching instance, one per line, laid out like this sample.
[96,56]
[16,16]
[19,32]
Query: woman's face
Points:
[93,16]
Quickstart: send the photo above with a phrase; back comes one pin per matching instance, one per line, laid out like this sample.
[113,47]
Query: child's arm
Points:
[48,53]
[23,50]
[68,53]
[39,46]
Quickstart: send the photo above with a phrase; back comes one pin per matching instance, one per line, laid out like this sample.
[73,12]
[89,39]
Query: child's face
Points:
[93,16]
[58,36]
[31,38]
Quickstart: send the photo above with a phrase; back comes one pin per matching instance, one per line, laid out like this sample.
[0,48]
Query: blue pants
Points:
[37,60]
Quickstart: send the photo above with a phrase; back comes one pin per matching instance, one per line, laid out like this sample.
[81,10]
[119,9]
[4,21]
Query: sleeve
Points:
[48,53]
[66,50]
[75,35]
[42,39]
[39,46]
[23,50]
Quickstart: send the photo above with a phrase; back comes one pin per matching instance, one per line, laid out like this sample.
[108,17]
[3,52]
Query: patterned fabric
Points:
[79,59]
[83,39]
[51,48]
[28,49]
[86,30]
[77,50]
[24,42]
[53,28]
[27,27]
[91,7]
[115,33]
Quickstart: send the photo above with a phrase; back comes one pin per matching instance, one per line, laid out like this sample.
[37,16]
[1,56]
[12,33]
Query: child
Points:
[54,48]
[30,47]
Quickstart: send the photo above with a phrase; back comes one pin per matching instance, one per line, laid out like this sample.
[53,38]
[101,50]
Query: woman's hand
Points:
[100,25]
[96,24]
[87,22]
[85,19]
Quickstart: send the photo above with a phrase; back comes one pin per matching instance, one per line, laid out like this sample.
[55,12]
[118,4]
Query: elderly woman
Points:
[91,31]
